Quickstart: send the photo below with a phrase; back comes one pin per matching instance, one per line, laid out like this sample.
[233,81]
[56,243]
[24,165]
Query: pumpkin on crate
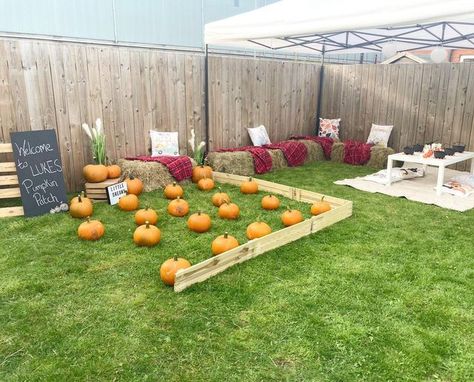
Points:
[223,243]
[113,171]
[258,229]
[249,187]
[128,202]
[169,268]
[219,198]
[201,172]
[90,230]
[147,235]
[146,214]
[270,202]
[229,211]
[173,190]
[205,184]
[80,207]
[178,207]
[320,207]
[291,217]
[95,173]
[199,222]
[134,185]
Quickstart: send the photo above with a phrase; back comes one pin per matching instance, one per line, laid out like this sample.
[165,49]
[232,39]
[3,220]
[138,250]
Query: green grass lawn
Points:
[385,295]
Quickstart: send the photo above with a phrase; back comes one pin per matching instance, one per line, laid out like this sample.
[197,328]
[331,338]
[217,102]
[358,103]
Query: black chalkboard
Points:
[39,170]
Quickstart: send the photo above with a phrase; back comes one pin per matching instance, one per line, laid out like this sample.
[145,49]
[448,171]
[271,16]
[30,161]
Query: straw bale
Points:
[378,156]
[235,162]
[278,159]
[315,151]
[337,153]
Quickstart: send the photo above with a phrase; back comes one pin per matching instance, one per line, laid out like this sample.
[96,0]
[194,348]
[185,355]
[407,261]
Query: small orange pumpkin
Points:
[320,207]
[169,268]
[147,235]
[172,191]
[290,217]
[257,229]
[199,222]
[146,215]
[200,172]
[113,171]
[223,243]
[249,187]
[205,184]
[83,196]
[229,211]
[178,207]
[90,230]
[128,202]
[220,197]
[134,185]
[95,173]
[270,202]
[81,208]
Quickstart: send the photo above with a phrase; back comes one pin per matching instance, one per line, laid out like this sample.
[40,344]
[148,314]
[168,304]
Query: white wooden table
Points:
[440,163]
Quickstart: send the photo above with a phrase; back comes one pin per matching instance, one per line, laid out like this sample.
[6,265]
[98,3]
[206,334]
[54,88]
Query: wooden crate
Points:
[341,209]
[8,180]
[97,192]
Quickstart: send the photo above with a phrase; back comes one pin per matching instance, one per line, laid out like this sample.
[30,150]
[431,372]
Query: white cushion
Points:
[259,136]
[164,143]
[329,128]
[379,134]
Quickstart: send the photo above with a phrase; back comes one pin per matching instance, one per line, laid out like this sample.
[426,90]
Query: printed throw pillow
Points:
[329,128]
[164,143]
[259,135]
[379,134]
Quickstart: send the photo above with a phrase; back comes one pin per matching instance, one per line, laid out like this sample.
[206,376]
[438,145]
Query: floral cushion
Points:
[379,134]
[164,143]
[259,136]
[329,128]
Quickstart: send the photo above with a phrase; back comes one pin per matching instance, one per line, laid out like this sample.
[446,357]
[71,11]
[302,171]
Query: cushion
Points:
[164,143]
[259,135]
[329,128]
[379,134]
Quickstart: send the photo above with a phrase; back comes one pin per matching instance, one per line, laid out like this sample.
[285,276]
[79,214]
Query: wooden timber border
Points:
[341,209]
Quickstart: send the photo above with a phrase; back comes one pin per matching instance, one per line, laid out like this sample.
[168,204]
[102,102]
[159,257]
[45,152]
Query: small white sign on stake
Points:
[115,192]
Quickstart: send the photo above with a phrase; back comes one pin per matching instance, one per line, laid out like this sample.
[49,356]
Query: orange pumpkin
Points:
[95,173]
[258,229]
[220,197]
[290,217]
[178,207]
[113,171]
[199,222]
[172,191]
[146,215]
[229,211]
[147,235]
[83,196]
[134,185]
[205,184]
[223,243]
[320,207]
[81,208]
[169,268]
[249,187]
[201,172]
[128,202]
[270,202]
[91,230]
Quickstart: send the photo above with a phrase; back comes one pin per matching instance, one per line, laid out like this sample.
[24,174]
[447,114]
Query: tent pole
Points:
[206,96]
[320,90]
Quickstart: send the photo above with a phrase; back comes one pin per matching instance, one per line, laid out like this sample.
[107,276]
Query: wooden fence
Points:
[425,103]
[60,85]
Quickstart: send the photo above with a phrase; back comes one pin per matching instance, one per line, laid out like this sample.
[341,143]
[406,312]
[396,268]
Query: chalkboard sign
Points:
[39,170]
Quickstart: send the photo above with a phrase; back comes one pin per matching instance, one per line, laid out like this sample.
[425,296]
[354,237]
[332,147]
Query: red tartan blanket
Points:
[325,142]
[356,152]
[180,167]
[262,160]
[294,152]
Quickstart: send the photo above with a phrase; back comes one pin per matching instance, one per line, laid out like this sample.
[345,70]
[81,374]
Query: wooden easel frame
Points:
[8,178]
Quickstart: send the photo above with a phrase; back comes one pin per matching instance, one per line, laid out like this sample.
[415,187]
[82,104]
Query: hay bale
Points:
[315,151]
[378,156]
[278,159]
[235,162]
[337,153]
